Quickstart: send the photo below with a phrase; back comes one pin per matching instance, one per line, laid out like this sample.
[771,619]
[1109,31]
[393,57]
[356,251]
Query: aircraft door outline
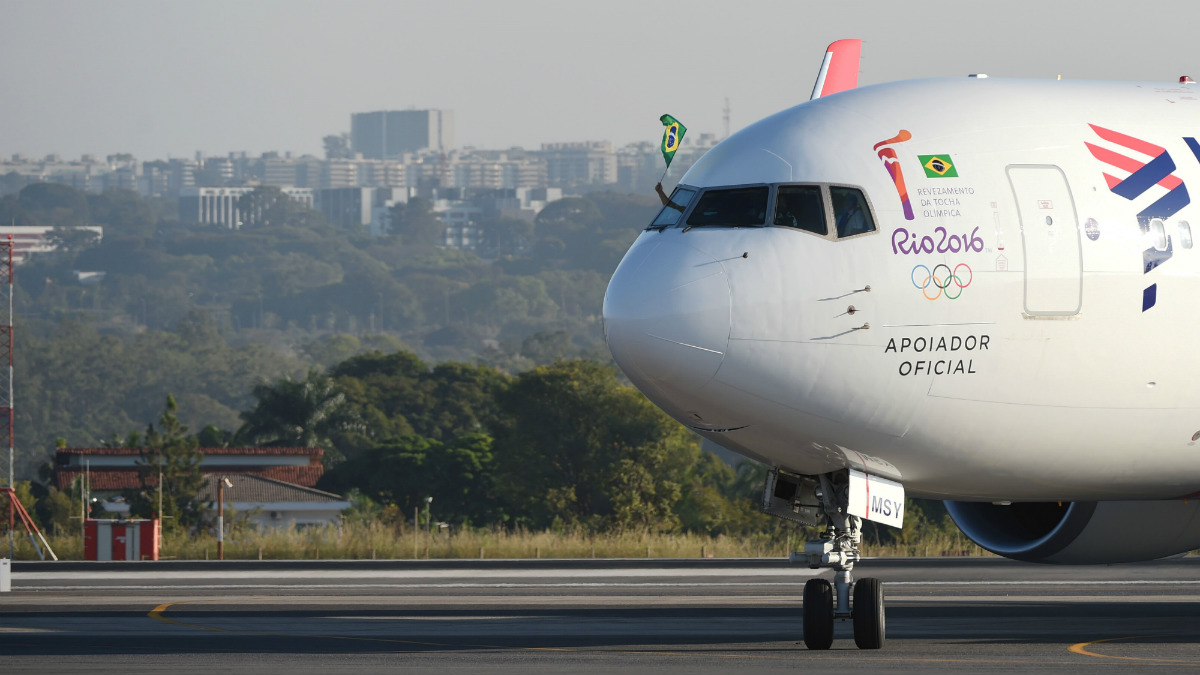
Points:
[1050,241]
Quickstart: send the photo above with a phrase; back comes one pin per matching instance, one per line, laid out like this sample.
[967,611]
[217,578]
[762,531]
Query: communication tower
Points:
[15,508]
[6,383]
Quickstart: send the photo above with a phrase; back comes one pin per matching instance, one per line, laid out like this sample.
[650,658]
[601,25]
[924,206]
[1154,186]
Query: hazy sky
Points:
[162,77]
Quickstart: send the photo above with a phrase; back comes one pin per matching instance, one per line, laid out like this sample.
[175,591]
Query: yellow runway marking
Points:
[1082,648]
[157,615]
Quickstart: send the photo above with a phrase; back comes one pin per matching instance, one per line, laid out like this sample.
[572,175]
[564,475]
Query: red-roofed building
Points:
[112,470]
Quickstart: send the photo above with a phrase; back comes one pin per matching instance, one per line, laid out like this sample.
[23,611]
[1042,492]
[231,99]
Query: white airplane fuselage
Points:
[1032,325]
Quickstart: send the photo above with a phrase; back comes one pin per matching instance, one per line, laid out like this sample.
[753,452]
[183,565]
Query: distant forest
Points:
[206,313]
[478,377]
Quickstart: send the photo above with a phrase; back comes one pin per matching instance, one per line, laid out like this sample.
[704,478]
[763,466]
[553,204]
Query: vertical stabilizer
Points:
[839,70]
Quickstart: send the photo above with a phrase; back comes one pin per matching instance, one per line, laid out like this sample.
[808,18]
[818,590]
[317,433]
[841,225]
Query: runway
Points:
[588,616]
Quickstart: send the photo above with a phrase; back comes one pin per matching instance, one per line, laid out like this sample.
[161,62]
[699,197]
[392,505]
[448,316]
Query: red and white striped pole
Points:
[6,395]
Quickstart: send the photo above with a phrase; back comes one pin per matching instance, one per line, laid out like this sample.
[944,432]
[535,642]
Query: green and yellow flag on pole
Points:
[672,136]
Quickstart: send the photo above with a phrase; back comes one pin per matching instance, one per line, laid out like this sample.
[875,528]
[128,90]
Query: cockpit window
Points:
[801,206]
[673,211]
[850,212]
[734,207]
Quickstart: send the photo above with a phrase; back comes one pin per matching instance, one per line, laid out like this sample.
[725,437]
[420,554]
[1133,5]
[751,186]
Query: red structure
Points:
[6,350]
[122,539]
[31,528]
[112,470]
[6,386]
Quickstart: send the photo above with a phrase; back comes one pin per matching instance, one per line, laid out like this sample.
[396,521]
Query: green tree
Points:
[72,239]
[546,346]
[171,453]
[404,470]
[399,394]
[718,499]
[591,232]
[417,224]
[124,213]
[11,183]
[297,413]
[54,205]
[507,236]
[54,511]
[578,447]
[51,507]
[568,215]
[268,206]
[25,492]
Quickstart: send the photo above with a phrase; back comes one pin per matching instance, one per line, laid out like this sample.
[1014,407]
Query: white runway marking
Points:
[419,574]
[593,584]
[414,586]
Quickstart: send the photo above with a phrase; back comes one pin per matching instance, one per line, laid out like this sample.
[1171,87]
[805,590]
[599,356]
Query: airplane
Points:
[977,290]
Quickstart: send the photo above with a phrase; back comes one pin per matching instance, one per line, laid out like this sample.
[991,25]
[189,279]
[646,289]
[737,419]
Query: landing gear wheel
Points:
[868,614]
[818,614]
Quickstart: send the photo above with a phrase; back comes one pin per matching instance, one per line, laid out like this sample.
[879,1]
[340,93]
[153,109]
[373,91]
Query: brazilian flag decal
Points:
[938,166]
[672,136]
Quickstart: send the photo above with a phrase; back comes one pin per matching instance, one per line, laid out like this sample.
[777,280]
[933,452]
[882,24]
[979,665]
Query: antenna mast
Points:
[726,111]
[6,392]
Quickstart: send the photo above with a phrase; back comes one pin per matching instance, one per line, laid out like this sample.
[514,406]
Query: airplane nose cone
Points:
[667,316]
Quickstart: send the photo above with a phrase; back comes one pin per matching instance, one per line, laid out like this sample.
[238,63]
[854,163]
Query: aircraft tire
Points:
[868,613]
[818,614]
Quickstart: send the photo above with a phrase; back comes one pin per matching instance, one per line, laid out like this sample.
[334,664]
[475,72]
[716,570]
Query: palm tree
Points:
[297,413]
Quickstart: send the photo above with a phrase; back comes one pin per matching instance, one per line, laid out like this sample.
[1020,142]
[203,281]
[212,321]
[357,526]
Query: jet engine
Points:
[1081,533]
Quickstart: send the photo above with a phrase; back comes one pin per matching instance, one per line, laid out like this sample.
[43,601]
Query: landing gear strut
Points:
[838,548]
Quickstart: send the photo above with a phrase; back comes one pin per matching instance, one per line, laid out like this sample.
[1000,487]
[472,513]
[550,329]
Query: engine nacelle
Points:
[1081,533]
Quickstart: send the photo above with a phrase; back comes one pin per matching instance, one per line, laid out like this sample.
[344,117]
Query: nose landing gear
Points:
[819,614]
[838,548]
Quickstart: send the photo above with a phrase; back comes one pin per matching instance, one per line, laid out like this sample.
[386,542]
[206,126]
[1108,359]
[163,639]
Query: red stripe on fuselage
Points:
[1127,164]
[1135,144]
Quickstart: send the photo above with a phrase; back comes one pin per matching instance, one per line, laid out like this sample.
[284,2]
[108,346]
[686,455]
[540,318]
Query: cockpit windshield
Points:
[735,207]
[850,211]
[833,212]
[680,199]
[801,206]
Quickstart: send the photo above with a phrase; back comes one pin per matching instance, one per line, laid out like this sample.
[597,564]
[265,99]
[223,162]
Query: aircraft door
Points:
[1050,237]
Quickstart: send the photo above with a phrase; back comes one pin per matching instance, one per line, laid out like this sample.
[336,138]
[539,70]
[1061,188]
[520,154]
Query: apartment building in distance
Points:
[571,165]
[353,207]
[87,174]
[220,205]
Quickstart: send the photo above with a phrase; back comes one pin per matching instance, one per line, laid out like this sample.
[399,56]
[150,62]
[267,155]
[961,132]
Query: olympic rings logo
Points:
[948,283]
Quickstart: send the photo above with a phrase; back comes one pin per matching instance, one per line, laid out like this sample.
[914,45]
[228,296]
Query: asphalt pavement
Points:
[588,616]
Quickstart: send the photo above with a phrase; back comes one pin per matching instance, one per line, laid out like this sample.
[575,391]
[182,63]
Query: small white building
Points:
[266,502]
[221,205]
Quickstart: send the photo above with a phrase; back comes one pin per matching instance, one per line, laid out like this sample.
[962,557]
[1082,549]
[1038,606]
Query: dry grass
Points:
[375,540]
